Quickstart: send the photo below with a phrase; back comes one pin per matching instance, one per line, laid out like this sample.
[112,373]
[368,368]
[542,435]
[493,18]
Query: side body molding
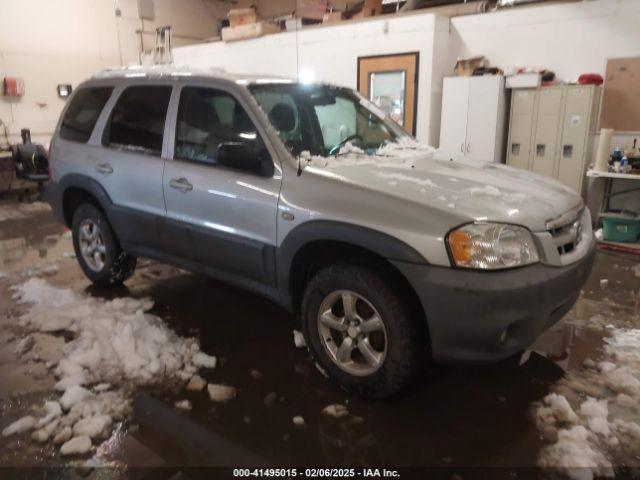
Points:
[375,241]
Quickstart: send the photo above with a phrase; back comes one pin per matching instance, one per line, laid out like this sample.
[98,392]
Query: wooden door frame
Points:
[416,55]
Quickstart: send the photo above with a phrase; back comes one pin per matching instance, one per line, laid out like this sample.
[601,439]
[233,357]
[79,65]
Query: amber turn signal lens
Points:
[461,247]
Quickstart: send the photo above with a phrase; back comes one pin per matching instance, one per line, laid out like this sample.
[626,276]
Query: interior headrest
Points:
[283,117]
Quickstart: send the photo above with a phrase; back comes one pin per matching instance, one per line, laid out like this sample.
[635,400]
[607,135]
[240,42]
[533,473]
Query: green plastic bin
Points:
[621,228]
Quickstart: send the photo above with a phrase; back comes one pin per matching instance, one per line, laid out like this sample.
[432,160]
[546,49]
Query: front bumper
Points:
[479,317]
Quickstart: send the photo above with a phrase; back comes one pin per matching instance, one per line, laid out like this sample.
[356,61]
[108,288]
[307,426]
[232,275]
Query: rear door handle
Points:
[181,184]
[104,168]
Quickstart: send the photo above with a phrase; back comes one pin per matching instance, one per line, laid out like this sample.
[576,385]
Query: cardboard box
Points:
[242,16]
[332,17]
[309,9]
[313,9]
[250,30]
[465,66]
[369,9]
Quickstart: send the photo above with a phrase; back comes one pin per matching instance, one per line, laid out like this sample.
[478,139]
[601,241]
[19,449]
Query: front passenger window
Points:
[208,118]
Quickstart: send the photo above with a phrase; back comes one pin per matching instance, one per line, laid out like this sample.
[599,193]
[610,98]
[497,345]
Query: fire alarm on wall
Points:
[12,87]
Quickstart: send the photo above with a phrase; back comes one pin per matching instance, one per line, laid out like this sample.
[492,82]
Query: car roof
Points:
[160,71]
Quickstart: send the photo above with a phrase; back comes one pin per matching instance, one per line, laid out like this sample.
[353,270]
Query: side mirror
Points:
[243,157]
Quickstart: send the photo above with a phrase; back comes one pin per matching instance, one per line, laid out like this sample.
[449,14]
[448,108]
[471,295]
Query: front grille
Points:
[568,236]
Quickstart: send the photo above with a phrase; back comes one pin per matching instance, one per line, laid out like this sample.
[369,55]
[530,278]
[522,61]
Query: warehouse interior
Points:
[543,87]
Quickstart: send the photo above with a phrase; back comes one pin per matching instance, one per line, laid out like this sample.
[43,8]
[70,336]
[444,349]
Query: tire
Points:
[115,266]
[401,354]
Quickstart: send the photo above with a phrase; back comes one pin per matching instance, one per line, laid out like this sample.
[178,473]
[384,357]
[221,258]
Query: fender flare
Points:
[380,243]
[88,184]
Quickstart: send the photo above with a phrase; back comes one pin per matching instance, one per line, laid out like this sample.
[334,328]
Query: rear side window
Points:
[83,112]
[137,120]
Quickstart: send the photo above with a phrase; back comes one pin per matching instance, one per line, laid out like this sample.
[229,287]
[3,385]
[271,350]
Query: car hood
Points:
[471,192]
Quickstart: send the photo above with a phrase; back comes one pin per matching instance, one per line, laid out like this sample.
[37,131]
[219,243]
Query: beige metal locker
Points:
[578,124]
[546,135]
[551,131]
[523,108]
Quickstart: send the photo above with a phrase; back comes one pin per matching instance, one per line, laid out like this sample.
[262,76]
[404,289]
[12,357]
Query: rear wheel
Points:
[361,332]
[98,252]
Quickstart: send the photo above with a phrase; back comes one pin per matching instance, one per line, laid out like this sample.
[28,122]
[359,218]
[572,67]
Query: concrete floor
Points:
[455,418]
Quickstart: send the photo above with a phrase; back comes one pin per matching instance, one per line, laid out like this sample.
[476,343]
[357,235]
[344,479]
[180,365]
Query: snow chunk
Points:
[403,154]
[24,345]
[407,178]
[45,432]
[298,339]
[596,412]
[196,384]
[495,192]
[201,359]
[76,446]
[73,395]
[53,411]
[336,410]
[19,426]
[92,426]
[574,452]
[604,283]
[183,405]
[560,408]
[63,436]
[298,421]
[221,393]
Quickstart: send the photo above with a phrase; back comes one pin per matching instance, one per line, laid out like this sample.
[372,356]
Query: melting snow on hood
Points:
[115,342]
[394,154]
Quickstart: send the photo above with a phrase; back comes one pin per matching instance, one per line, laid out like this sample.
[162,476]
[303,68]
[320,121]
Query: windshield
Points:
[321,119]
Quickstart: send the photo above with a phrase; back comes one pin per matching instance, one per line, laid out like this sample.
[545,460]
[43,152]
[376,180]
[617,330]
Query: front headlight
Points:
[491,246]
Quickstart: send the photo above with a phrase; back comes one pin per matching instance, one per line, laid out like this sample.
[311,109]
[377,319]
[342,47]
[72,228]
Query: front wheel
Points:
[361,332]
[98,252]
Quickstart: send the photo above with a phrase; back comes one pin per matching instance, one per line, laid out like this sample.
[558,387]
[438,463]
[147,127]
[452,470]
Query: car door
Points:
[129,163]
[221,217]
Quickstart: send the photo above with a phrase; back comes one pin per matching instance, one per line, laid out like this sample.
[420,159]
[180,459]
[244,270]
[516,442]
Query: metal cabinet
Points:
[551,131]
[473,118]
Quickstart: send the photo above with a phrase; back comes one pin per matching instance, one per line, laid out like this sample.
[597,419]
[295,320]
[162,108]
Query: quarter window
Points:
[208,118]
[137,120]
[83,112]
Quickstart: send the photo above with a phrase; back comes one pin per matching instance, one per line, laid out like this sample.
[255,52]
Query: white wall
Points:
[49,42]
[330,53]
[570,38]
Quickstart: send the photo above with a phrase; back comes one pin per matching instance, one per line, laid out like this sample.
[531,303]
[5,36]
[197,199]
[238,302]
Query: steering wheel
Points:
[342,143]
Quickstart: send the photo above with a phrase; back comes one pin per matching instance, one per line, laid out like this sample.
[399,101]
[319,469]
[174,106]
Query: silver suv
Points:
[311,196]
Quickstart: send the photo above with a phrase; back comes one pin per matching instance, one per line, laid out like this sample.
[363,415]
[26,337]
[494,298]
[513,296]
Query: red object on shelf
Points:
[590,79]
[12,87]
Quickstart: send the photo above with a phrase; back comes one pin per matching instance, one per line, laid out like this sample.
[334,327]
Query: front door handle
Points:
[181,184]
[104,168]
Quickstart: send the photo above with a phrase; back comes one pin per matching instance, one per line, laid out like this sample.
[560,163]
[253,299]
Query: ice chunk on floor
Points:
[560,408]
[76,446]
[196,384]
[52,411]
[221,393]
[336,410]
[201,359]
[19,426]
[92,426]
[298,421]
[298,339]
[63,436]
[73,395]
[183,405]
